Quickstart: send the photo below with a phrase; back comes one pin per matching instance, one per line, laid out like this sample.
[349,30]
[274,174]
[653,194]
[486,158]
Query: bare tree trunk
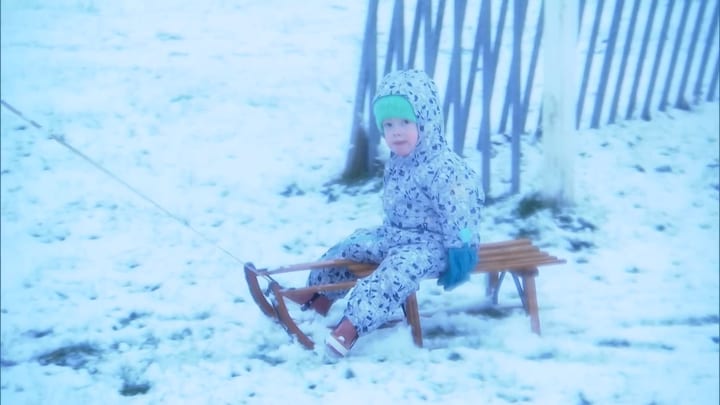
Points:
[559,134]
[357,166]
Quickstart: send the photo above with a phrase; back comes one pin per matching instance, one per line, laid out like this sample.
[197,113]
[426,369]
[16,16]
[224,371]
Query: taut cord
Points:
[63,142]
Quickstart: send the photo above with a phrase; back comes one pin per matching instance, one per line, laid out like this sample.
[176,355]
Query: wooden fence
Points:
[487,61]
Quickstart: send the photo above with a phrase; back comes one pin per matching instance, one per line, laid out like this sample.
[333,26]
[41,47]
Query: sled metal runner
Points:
[519,257]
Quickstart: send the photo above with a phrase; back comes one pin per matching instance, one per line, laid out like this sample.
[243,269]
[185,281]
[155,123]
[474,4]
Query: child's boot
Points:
[342,338]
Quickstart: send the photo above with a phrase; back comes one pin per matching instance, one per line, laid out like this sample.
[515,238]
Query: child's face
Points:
[401,135]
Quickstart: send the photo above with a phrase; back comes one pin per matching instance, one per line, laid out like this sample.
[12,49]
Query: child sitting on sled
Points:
[431,201]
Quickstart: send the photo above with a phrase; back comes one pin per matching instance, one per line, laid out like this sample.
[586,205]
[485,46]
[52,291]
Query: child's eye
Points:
[387,124]
[406,122]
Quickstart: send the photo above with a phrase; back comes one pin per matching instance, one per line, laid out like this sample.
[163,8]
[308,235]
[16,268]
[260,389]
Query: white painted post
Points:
[561,59]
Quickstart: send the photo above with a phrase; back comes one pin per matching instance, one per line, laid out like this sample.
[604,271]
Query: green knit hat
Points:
[392,106]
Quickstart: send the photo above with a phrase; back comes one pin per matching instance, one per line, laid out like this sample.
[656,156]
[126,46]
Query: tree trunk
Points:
[357,166]
[559,97]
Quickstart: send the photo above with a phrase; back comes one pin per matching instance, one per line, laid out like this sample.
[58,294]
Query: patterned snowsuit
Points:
[428,197]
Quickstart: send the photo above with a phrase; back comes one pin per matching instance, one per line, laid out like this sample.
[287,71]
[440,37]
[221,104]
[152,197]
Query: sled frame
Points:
[520,258]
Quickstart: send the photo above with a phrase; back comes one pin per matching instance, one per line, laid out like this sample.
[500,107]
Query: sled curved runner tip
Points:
[251,277]
[276,307]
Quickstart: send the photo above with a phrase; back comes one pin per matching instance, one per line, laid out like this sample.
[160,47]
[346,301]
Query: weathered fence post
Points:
[658,58]
[561,57]
[641,60]
[623,64]
[588,62]
[709,44]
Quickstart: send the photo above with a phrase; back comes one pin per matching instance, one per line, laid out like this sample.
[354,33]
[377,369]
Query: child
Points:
[431,200]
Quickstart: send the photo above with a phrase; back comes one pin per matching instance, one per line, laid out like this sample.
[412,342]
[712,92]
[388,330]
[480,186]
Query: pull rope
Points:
[63,142]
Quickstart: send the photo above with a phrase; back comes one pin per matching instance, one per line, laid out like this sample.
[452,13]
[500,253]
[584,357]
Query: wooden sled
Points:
[519,257]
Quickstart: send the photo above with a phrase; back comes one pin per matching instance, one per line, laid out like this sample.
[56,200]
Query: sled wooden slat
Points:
[518,257]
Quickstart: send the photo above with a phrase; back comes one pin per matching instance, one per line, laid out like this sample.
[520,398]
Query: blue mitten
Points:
[461,262]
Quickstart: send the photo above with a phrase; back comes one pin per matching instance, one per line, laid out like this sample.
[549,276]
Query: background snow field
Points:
[234,116]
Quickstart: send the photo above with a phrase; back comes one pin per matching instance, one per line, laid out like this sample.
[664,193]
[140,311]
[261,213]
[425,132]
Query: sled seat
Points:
[519,258]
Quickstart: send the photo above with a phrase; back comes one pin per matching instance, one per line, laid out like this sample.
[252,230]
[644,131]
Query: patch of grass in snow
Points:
[691,321]
[131,389]
[75,356]
[369,185]
[533,216]
[132,383]
[624,343]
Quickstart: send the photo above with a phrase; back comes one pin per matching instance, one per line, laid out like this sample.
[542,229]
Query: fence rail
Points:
[488,51]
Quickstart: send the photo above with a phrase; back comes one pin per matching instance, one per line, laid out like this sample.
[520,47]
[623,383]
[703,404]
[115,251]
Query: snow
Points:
[229,119]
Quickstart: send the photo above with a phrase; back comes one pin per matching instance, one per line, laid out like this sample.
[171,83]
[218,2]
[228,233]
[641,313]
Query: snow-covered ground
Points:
[232,117]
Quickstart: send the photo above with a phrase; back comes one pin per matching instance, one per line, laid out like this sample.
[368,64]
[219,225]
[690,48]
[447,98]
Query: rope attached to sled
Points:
[61,140]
